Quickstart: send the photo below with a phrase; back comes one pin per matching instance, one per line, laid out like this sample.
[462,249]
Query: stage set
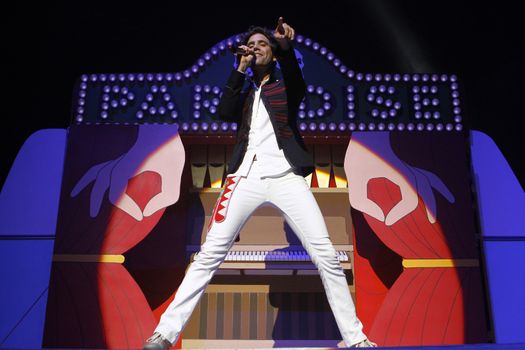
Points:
[84,263]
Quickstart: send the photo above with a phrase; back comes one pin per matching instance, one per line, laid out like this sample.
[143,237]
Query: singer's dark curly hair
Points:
[264,31]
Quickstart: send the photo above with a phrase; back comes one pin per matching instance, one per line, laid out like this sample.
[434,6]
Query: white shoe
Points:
[365,344]
[157,342]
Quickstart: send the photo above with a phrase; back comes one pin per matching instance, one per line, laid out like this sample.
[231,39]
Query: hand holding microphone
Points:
[245,55]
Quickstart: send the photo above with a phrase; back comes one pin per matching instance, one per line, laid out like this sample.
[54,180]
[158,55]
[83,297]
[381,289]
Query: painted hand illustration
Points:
[158,149]
[370,156]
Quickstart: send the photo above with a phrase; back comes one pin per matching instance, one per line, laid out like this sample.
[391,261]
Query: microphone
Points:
[237,50]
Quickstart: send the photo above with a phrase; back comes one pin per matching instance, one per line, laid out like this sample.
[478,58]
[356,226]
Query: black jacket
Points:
[281,96]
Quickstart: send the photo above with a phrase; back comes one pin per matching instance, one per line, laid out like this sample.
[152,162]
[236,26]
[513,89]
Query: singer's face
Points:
[263,51]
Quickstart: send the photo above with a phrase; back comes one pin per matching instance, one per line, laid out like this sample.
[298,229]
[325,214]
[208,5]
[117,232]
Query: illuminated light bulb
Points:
[302,126]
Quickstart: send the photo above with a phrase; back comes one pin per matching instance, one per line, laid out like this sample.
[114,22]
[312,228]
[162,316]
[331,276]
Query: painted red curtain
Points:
[402,306]
[94,304]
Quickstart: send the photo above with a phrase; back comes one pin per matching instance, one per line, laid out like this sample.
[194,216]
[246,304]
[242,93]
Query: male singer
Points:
[268,166]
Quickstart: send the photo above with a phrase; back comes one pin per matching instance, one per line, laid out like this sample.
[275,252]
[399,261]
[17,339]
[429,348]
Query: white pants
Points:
[292,196]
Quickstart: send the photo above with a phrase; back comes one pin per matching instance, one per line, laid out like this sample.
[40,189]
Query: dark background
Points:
[49,46]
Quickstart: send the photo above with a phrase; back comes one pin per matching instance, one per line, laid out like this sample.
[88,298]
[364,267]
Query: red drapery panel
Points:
[94,302]
[418,280]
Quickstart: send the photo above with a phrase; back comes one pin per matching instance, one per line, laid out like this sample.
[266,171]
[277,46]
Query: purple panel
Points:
[501,198]
[30,196]
[24,271]
[506,279]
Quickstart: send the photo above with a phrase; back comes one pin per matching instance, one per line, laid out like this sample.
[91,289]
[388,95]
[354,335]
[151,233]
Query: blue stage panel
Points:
[506,278]
[501,199]
[31,192]
[24,271]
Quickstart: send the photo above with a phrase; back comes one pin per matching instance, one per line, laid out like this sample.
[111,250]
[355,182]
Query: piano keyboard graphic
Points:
[295,255]
[279,262]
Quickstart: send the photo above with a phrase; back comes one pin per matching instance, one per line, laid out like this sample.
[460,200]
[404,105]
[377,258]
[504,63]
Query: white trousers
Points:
[240,197]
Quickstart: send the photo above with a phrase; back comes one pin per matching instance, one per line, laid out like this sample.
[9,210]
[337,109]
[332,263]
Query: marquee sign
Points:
[338,99]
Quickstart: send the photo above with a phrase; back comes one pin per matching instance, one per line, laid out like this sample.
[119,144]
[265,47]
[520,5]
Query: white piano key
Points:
[345,256]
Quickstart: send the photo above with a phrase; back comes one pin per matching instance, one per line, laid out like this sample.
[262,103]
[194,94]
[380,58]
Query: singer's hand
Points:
[245,57]
[283,33]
